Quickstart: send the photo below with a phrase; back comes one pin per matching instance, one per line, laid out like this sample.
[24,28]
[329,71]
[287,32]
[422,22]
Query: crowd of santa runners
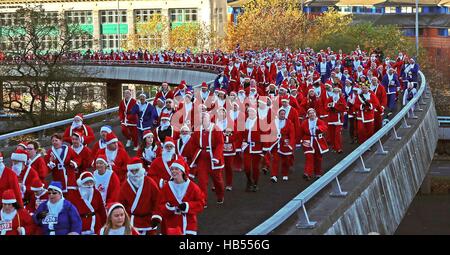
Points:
[151,175]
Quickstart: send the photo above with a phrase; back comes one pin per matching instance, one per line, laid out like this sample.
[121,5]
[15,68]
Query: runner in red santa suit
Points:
[14,220]
[139,195]
[117,157]
[164,93]
[365,105]
[89,204]
[380,92]
[25,174]
[265,119]
[83,152]
[252,149]
[149,149]
[292,115]
[36,159]
[165,129]
[180,202]
[106,181]
[312,133]
[336,108]
[40,195]
[101,144]
[63,161]
[78,126]
[128,120]
[186,147]
[209,156]
[238,117]
[185,112]
[159,170]
[118,222]
[8,180]
[283,148]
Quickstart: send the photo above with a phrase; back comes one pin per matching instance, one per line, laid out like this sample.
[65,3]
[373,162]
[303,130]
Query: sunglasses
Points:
[53,192]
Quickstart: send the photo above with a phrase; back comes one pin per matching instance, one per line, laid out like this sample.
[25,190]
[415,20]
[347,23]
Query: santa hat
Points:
[8,197]
[23,144]
[235,103]
[36,185]
[233,93]
[251,109]
[80,116]
[221,91]
[185,127]
[106,128]
[293,87]
[284,98]
[178,164]
[55,185]
[204,85]
[111,206]
[147,133]
[169,140]
[160,99]
[284,86]
[135,163]
[1,157]
[311,110]
[241,89]
[169,100]
[20,155]
[111,138]
[143,95]
[189,94]
[182,85]
[102,158]
[85,177]
[165,116]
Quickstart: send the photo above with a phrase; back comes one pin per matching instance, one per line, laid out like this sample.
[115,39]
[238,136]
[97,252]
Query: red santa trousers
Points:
[365,131]
[251,166]
[266,159]
[204,171]
[237,162]
[378,122]
[229,170]
[313,162]
[130,133]
[335,134]
[286,162]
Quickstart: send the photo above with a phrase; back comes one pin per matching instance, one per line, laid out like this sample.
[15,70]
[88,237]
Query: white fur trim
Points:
[106,129]
[187,208]
[114,140]
[74,163]
[191,232]
[102,160]
[134,166]
[114,206]
[80,182]
[55,188]
[19,157]
[9,201]
[169,143]
[147,135]
[181,167]
[156,216]
[36,189]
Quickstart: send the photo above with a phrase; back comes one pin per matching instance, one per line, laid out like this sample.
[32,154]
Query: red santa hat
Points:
[284,98]
[165,116]
[23,144]
[311,110]
[169,140]
[102,158]
[178,164]
[219,91]
[251,109]
[20,155]
[110,207]
[284,85]
[79,115]
[185,128]
[293,87]
[233,93]
[241,89]
[1,157]
[8,197]
[111,138]
[135,164]
[204,85]
[85,177]
[36,185]
[189,94]
[147,133]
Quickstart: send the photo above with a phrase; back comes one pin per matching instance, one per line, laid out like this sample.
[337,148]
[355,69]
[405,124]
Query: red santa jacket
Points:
[85,156]
[85,130]
[210,141]
[185,220]
[336,111]
[314,102]
[119,164]
[186,150]
[101,145]
[312,134]
[108,184]
[140,203]
[125,116]
[38,164]
[292,115]
[149,154]
[165,95]
[92,213]
[380,92]
[21,224]
[8,180]
[60,167]
[160,172]
[365,109]
[251,138]
[284,138]
[25,179]
[35,201]
[262,76]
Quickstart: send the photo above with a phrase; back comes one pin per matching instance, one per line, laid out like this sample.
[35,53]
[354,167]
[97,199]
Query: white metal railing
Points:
[443,120]
[297,204]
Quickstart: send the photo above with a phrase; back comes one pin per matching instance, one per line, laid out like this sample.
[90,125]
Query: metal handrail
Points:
[443,120]
[331,177]
[67,121]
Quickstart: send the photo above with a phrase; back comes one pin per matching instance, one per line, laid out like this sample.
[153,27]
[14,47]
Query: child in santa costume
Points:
[149,149]
[63,161]
[8,180]
[312,135]
[14,220]
[118,222]
[128,120]
[89,203]
[139,195]
[78,126]
[25,174]
[180,201]
[106,180]
[116,156]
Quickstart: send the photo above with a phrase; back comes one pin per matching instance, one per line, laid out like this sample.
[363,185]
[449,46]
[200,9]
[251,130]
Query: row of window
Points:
[389,9]
[412,32]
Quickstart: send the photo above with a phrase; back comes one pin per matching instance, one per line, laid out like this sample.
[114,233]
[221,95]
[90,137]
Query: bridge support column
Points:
[1,95]
[113,93]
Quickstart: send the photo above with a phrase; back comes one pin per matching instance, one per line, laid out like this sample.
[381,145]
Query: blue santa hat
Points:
[54,185]
[106,128]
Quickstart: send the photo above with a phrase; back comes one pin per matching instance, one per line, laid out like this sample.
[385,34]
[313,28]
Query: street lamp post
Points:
[118,25]
[417,28]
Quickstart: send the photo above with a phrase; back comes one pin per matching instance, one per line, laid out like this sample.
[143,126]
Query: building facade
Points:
[109,22]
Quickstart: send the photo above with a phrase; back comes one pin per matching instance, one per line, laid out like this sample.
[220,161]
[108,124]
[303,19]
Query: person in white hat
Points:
[8,180]
[78,126]
[128,121]
[181,201]
[83,152]
[25,173]
[336,108]
[106,180]
[164,129]
[14,220]
[89,204]
[118,221]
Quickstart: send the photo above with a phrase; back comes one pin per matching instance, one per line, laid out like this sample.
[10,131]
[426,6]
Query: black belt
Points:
[87,215]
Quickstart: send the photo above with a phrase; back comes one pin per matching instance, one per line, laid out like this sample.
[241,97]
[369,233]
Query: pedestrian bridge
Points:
[366,189]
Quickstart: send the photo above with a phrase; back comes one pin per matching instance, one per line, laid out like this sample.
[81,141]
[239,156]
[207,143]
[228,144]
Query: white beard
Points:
[335,97]
[185,138]
[17,168]
[76,124]
[167,155]
[165,126]
[281,124]
[111,155]
[263,112]
[86,193]
[2,167]
[249,123]
[137,179]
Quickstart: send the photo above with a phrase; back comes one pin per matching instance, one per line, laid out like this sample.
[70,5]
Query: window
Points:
[145,15]
[82,42]
[410,9]
[390,9]
[345,9]
[111,16]
[409,32]
[111,41]
[183,15]
[79,17]
[443,32]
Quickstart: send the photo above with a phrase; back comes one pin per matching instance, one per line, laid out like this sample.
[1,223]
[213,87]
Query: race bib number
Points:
[50,219]
[228,147]
[5,225]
